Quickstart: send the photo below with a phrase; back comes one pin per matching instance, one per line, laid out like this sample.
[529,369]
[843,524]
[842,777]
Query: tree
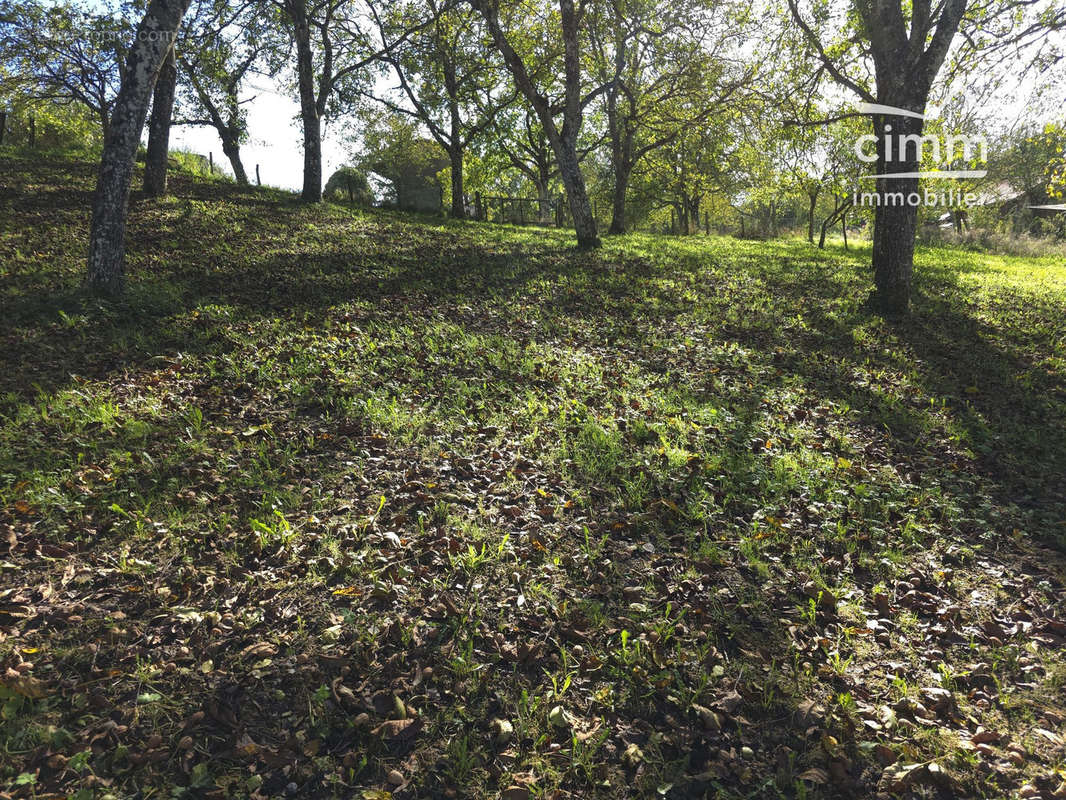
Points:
[665,69]
[155,162]
[533,76]
[61,53]
[217,51]
[333,49]
[49,123]
[107,235]
[683,171]
[805,163]
[448,80]
[821,161]
[394,149]
[351,184]
[904,45]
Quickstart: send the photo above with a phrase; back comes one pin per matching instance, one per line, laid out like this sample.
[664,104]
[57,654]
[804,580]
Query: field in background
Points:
[344,503]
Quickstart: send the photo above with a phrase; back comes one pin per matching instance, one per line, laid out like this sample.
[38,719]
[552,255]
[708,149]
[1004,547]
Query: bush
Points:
[349,185]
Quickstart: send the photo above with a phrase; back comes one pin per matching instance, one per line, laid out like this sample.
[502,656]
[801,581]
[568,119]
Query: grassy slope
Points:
[741,532]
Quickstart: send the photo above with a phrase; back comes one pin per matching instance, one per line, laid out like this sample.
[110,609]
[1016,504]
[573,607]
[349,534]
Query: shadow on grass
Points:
[772,335]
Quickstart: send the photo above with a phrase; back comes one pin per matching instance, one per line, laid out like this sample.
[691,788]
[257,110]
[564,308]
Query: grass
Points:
[333,493]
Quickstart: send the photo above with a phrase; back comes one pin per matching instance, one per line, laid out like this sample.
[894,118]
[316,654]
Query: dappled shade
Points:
[342,502]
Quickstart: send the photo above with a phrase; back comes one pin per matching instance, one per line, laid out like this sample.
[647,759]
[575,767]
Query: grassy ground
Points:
[348,504]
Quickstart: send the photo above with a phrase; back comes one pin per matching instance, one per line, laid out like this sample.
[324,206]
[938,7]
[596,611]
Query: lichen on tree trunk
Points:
[107,246]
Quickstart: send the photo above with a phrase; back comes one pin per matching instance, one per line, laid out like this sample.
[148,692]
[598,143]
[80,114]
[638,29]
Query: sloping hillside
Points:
[341,504]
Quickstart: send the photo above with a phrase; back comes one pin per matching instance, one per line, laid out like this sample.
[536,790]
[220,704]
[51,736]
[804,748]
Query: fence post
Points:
[211,162]
[707,223]
[559,212]
[673,230]
[258,182]
[479,209]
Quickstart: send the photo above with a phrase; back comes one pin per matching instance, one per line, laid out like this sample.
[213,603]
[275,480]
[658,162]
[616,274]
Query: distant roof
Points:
[999,193]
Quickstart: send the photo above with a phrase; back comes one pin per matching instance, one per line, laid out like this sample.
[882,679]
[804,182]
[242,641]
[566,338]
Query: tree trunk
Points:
[813,195]
[895,218]
[107,246]
[565,143]
[618,201]
[232,151]
[312,185]
[229,130]
[621,151]
[577,195]
[312,122]
[544,205]
[455,155]
[893,252]
[840,211]
[3,126]
[33,131]
[155,164]
[692,216]
[455,139]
